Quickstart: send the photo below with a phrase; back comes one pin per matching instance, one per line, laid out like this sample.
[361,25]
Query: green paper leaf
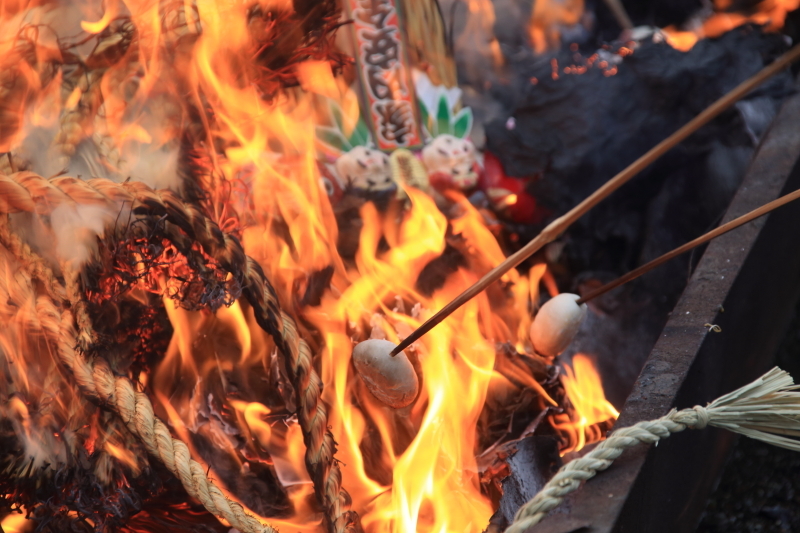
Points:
[336,113]
[333,138]
[424,117]
[463,123]
[443,117]
[360,135]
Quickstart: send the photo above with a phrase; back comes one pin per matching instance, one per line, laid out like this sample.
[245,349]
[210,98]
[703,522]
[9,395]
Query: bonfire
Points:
[206,208]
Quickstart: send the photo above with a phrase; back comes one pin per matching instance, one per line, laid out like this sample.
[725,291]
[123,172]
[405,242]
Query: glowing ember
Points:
[771,14]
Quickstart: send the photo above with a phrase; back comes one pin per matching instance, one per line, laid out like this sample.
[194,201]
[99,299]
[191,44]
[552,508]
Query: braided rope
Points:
[312,414]
[185,225]
[31,264]
[97,381]
[568,479]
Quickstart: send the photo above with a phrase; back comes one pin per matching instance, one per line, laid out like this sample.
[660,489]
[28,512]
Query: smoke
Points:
[156,168]
[77,227]
[41,446]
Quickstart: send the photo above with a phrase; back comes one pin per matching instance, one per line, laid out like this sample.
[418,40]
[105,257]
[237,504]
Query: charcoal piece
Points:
[435,273]
[582,129]
[318,283]
[535,462]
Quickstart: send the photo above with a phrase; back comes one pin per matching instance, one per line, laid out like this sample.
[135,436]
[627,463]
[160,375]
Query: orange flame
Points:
[219,378]
[549,18]
[16,523]
[585,392]
[769,13]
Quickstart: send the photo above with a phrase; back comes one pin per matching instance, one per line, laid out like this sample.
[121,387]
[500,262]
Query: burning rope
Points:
[97,381]
[184,225]
[765,410]
[312,414]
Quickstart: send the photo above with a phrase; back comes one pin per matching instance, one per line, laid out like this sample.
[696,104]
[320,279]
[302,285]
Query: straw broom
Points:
[427,41]
[768,409]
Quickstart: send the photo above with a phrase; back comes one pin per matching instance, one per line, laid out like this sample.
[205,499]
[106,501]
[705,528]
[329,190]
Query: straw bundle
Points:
[768,409]
[427,41]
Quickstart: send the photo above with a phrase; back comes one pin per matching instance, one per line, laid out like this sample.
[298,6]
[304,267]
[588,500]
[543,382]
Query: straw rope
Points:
[184,225]
[96,380]
[766,409]
[31,264]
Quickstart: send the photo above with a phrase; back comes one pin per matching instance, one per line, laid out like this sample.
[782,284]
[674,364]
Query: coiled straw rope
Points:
[766,409]
[97,381]
[183,225]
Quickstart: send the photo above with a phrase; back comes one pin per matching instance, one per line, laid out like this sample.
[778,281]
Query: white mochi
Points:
[392,380]
[556,324]
[366,169]
[454,157]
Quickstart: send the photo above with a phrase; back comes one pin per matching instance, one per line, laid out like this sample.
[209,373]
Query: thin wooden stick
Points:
[725,228]
[618,10]
[559,225]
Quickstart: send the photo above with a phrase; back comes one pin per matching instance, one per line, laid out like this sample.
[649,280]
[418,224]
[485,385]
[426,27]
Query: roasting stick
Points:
[560,318]
[559,225]
[725,228]
[618,10]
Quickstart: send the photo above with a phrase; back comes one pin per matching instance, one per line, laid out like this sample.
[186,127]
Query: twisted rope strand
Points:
[568,479]
[766,409]
[31,264]
[97,381]
[312,414]
[185,225]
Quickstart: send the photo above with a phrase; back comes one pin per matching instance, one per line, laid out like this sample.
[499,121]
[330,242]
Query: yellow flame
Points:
[407,470]
[100,25]
[585,391]
[16,523]
[771,14]
[123,455]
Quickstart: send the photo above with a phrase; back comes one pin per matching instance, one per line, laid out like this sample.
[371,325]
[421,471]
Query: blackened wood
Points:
[754,275]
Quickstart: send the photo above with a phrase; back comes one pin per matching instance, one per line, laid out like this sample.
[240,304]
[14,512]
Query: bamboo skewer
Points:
[618,10]
[725,228]
[559,225]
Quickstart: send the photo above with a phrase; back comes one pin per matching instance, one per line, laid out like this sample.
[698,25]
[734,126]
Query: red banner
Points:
[384,73]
